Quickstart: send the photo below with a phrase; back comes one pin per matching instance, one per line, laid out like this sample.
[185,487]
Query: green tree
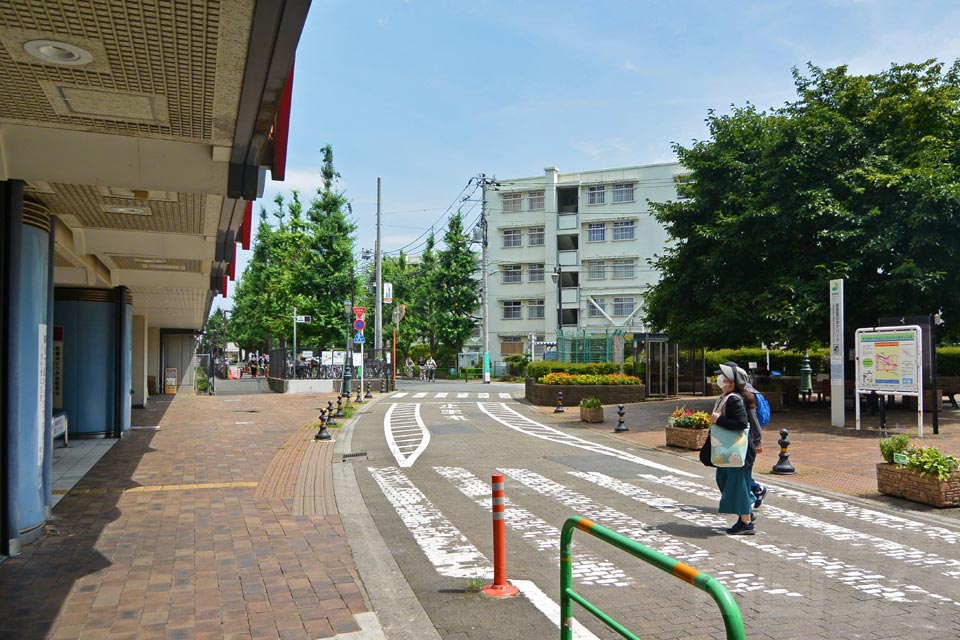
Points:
[859,179]
[305,263]
[456,286]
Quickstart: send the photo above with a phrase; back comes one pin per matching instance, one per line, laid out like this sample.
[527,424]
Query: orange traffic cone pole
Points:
[500,587]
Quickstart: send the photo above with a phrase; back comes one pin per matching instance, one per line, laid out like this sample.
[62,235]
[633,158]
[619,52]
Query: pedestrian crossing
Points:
[460,395]
[809,545]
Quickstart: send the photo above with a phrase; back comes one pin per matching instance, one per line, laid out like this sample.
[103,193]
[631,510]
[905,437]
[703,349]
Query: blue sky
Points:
[427,93]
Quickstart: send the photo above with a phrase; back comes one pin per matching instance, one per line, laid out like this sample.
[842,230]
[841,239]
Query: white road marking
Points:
[440,395]
[518,422]
[399,394]
[463,395]
[422,394]
[863,514]
[447,549]
[632,528]
[587,570]
[402,424]
[850,575]
[483,396]
[244,423]
[506,396]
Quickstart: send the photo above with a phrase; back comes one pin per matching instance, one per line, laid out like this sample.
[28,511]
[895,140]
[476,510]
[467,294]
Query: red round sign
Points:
[359,325]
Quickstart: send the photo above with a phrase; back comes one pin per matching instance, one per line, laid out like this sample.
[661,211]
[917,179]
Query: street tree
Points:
[456,286]
[858,179]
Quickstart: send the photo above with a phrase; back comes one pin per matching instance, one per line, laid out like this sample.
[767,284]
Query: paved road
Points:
[821,566]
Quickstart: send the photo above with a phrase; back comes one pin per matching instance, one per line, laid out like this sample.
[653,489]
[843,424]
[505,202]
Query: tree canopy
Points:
[304,262]
[858,179]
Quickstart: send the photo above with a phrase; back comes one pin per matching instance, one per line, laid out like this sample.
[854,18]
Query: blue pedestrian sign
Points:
[358,339]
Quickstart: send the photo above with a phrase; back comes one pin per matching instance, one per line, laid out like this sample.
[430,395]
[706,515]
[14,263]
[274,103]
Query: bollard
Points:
[559,408]
[369,394]
[620,426]
[783,466]
[331,418]
[500,587]
[340,413]
[358,399]
[323,434]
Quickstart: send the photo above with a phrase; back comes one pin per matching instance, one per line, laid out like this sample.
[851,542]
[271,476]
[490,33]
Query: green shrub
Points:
[948,361]
[517,364]
[786,362]
[928,461]
[897,444]
[591,403]
[537,370]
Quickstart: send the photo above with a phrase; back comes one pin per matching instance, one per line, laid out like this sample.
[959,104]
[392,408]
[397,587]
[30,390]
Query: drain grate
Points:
[358,454]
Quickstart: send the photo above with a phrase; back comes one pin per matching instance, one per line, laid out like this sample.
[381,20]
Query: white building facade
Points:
[571,250]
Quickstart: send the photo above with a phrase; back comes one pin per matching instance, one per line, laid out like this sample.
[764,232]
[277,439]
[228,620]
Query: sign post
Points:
[836,354]
[890,361]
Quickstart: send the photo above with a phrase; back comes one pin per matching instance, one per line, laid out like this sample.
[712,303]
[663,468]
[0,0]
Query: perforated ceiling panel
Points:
[173,308]
[154,67]
[92,209]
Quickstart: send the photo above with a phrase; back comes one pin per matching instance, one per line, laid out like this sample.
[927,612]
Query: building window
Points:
[511,345]
[512,238]
[623,193]
[536,200]
[592,311]
[512,309]
[622,306]
[623,230]
[597,195]
[512,274]
[535,272]
[535,310]
[596,270]
[511,202]
[596,232]
[624,268]
[535,237]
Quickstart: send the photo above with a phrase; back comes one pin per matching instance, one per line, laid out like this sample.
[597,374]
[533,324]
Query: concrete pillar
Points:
[138,379]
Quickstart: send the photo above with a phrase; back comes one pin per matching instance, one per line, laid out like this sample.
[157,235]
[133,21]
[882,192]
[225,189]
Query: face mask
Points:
[721,380]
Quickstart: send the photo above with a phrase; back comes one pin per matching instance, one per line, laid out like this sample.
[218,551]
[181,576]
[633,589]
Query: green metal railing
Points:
[732,620]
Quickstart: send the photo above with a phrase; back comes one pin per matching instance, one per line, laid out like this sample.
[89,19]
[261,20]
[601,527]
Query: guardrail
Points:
[732,620]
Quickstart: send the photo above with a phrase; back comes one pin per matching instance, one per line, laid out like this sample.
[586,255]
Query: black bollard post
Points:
[358,399]
[559,408]
[323,434]
[620,426]
[340,413]
[369,394]
[331,419]
[783,466]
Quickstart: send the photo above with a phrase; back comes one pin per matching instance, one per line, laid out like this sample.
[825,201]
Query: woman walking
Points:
[730,412]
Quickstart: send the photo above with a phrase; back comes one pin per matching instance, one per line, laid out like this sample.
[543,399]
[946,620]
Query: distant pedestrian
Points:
[731,412]
[253,367]
[431,369]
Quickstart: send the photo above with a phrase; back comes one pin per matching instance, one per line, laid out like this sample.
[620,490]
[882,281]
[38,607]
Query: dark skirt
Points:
[735,496]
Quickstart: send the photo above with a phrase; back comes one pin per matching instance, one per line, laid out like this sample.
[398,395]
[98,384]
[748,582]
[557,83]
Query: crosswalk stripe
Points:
[518,422]
[448,550]
[586,570]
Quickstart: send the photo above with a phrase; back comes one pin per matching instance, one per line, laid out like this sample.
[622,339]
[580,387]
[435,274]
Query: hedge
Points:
[786,362]
[537,370]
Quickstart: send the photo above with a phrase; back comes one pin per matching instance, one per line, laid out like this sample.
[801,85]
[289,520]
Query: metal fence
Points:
[285,367]
[576,345]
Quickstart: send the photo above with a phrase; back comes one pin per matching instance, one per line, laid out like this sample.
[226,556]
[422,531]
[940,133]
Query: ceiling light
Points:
[150,260]
[130,211]
[57,52]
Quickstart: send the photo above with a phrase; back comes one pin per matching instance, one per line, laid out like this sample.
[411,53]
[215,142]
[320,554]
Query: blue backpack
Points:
[763,409]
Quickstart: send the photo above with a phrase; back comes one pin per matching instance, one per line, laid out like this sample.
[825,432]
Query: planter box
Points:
[545,395]
[893,480]
[686,438]
[591,414]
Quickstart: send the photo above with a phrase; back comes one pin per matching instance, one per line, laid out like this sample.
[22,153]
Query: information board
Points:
[888,360]
[170,380]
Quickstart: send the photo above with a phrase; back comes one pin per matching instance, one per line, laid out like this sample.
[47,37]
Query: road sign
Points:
[304,319]
[359,325]
[359,311]
[358,339]
[388,292]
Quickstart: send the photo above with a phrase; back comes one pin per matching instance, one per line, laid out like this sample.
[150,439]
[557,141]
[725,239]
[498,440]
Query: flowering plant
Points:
[687,419]
[570,378]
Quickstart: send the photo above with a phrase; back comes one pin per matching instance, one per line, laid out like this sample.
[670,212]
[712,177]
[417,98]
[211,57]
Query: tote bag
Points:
[727,448]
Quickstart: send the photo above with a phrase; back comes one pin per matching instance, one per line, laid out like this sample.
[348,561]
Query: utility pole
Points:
[378,336]
[484,267]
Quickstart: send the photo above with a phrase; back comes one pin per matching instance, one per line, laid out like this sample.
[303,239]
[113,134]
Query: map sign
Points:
[888,360]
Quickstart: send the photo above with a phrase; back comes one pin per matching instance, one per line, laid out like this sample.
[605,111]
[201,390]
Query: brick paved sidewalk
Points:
[840,460]
[203,528]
